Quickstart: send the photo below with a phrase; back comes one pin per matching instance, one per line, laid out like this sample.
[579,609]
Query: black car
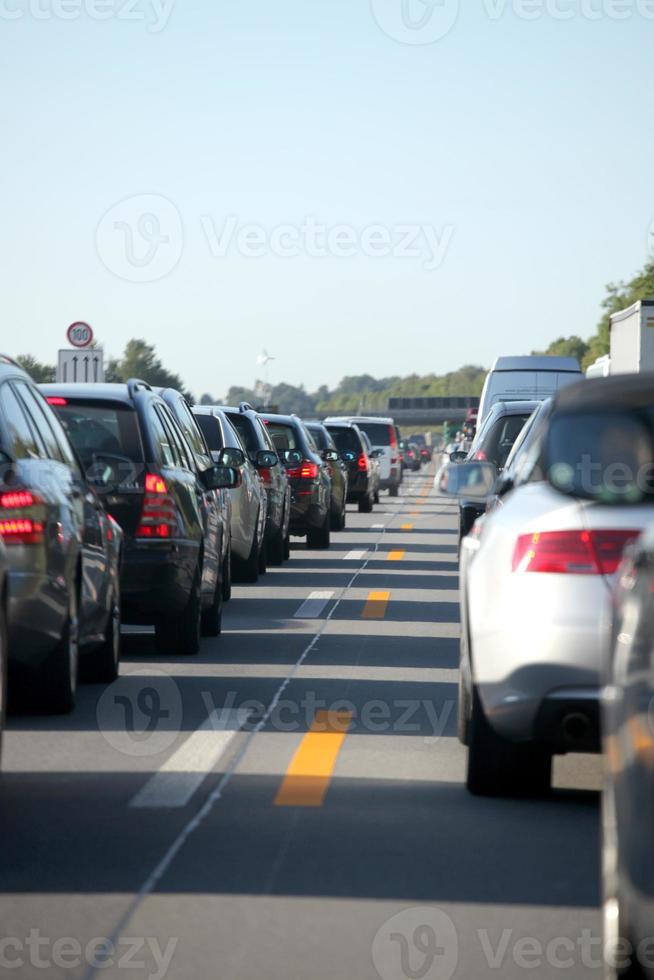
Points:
[63,553]
[132,447]
[311,485]
[4,605]
[257,442]
[628,795]
[363,473]
[493,443]
[338,471]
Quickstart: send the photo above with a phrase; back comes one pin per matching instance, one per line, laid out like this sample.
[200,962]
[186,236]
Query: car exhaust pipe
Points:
[576,727]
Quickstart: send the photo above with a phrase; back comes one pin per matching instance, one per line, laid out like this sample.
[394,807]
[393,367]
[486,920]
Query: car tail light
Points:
[306,471]
[265,475]
[481,455]
[571,552]
[362,463]
[158,518]
[21,517]
[410,454]
[393,442]
[393,460]
[56,400]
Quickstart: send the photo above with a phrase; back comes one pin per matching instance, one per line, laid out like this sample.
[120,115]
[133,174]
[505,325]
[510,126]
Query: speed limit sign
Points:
[80,334]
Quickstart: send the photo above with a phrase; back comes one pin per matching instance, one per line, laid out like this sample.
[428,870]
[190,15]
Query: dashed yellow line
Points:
[308,776]
[376,604]
[397,555]
[406,527]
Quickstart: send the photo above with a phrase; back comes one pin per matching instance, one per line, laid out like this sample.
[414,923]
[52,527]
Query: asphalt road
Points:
[290,805]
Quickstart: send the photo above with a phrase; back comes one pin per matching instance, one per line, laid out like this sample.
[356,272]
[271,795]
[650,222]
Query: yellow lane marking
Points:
[376,603]
[414,513]
[396,555]
[406,527]
[308,776]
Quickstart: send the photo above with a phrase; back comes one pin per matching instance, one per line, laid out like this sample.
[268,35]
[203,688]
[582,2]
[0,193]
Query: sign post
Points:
[81,364]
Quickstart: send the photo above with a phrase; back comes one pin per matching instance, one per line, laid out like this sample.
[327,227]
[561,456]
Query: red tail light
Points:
[21,517]
[393,442]
[480,454]
[265,475]
[571,552]
[363,463]
[56,400]
[158,518]
[307,471]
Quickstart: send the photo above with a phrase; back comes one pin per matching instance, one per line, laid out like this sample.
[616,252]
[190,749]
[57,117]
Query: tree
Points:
[619,297]
[140,361]
[567,347]
[39,372]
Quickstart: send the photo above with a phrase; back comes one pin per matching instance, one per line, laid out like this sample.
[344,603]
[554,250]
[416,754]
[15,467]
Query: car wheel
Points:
[376,496]
[248,571]
[463,718]
[616,927]
[287,547]
[211,622]
[343,517]
[365,504]
[394,490]
[497,767]
[179,635]
[227,574]
[101,666]
[57,680]
[319,537]
[276,547]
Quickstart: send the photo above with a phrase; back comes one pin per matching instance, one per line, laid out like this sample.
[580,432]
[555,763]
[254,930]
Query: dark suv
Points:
[256,440]
[363,486]
[63,554]
[308,472]
[131,445]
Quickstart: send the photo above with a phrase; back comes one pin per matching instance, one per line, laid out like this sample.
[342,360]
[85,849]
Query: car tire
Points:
[211,622]
[287,547]
[463,718]
[365,504]
[394,491]
[249,570]
[102,666]
[276,548]
[227,574]
[57,680]
[179,635]
[263,557]
[319,537]
[343,521]
[497,767]
[376,497]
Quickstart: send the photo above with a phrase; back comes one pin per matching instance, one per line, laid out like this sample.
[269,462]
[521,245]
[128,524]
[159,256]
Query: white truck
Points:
[632,339]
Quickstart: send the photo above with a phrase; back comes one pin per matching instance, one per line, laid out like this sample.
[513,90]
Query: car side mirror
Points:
[220,478]
[292,457]
[348,457]
[474,480]
[376,453]
[330,455]
[229,457]
[458,456]
[265,459]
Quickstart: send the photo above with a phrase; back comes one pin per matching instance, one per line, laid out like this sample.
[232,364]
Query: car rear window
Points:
[101,427]
[346,439]
[283,436]
[380,434]
[500,438]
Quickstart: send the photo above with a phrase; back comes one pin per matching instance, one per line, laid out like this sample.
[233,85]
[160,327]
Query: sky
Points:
[356,186]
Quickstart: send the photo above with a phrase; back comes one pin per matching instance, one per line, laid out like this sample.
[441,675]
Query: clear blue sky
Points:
[531,140]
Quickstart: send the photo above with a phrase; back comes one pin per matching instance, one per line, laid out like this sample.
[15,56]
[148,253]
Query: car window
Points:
[191,432]
[210,428]
[366,442]
[21,440]
[309,437]
[265,436]
[346,439]
[163,446]
[379,433]
[319,437]
[283,436]
[99,427]
[183,455]
[244,428]
[499,440]
[39,421]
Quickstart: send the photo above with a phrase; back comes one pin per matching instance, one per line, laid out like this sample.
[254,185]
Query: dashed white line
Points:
[354,555]
[313,605]
[187,768]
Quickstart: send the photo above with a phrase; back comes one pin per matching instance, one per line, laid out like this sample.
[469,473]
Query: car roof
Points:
[538,362]
[96,392]
[287,419]
[514,408]
[616,391]
[360,418]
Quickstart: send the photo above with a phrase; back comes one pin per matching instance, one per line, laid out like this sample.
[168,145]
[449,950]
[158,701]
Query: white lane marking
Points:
[313,606]
[354,555]
[187,768]
[377,527]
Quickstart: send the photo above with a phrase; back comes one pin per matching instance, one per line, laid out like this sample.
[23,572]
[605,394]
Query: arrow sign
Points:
[81,366]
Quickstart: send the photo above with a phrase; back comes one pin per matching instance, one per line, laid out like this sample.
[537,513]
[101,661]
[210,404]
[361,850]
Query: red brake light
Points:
[393,442]
[23,524]
[571,552]
[56,400]
[158,517]
[306,471]
[480,454]
[363,463]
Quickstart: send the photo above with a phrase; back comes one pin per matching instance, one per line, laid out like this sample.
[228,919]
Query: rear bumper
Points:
[306,512]
[358,487]
[156,578]
[393,480]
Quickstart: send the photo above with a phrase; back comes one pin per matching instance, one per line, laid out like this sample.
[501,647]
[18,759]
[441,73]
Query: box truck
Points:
[632,338]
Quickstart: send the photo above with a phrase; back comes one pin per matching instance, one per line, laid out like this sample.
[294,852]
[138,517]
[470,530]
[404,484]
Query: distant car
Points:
[338,471]
[248,497]
[398,436]
[536,578]
[383,437]
[309,473]
[131,444]
[259,446]
[493,443]
[532,378]
[363,475]
[187,422]
[628,737]
[62,552]
[413,454]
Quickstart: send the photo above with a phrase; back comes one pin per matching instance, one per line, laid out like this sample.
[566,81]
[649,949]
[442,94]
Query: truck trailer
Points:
[632,339]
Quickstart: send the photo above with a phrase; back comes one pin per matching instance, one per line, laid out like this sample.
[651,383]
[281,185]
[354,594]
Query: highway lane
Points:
[290,804]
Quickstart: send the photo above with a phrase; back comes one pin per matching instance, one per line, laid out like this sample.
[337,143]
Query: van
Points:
[521,379]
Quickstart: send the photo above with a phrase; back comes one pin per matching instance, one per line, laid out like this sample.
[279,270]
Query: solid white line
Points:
[354,555]
[187,768]
[313,606]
